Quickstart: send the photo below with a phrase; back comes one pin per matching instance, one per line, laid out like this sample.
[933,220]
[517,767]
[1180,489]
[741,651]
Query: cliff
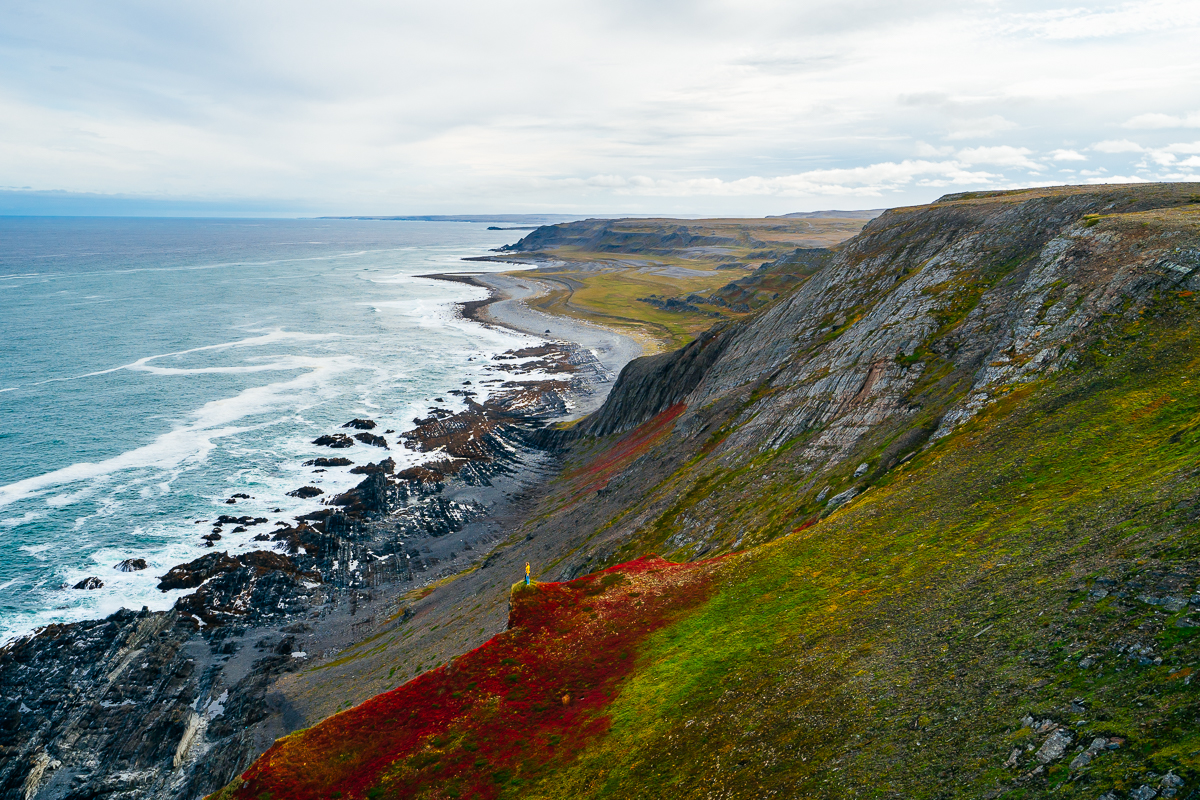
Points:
[957,468]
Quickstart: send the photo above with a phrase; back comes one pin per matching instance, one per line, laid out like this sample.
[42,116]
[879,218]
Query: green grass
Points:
[892,649]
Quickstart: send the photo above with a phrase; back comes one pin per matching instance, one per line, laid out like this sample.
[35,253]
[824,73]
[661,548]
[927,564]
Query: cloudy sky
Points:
[743,107]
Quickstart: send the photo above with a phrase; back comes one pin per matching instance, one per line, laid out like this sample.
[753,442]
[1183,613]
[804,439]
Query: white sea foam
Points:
[193,441]
[271,337]
[27,517]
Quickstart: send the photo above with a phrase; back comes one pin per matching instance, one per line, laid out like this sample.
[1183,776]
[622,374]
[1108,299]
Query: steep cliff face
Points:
[917,324]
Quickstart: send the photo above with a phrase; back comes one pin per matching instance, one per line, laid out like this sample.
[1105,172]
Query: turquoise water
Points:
[149,369]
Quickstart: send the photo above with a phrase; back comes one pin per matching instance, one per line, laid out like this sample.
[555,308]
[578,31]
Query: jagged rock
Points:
[387,466]
[89,583]
[335,440]
[194,573]
[303,536]
[371,439]
[842,498]
[367,498]
[361,424]
[421,475]
[1170,784]
[306,492]
[323,461]
[1054,747]
[1143,792]
[1098,745]
[131,565]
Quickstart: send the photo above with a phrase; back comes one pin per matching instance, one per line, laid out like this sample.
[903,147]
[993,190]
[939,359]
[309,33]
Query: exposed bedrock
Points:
[927,313]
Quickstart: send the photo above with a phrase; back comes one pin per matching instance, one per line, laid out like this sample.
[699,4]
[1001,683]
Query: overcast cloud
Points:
[749,107]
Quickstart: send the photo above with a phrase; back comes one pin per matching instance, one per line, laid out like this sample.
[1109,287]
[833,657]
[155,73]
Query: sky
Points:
[737,108]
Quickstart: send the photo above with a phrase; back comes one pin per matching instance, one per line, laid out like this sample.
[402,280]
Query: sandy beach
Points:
[507,307]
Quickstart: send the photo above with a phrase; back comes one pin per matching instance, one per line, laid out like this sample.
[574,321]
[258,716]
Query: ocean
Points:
[150,369]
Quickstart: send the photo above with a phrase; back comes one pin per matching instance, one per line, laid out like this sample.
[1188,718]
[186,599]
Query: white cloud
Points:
[1153,121]
[1067,155]
[873,180]
[1118,146]
[1119,179]
[1120,21]
[372,107]
[1004,155]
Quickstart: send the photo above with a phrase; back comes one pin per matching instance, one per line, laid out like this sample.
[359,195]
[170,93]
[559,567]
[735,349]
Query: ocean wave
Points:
[193,441]
[272,337]
[24,519]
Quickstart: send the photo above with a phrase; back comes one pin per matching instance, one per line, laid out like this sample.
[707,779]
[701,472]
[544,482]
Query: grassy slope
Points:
[889,650]
[892,649]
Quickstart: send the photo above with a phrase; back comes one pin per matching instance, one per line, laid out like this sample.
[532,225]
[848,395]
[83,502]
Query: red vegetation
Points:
[529,698]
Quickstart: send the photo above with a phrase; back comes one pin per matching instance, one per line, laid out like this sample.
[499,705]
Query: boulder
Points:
[335,440]
[336,461]
[372,439]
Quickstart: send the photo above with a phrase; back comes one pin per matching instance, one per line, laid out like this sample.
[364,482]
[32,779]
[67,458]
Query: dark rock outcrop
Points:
[131,565]
[361,424]
[323,461]
[335,440]
[306,492]
[368,498]
[372,439]
[89,583]
[387,466]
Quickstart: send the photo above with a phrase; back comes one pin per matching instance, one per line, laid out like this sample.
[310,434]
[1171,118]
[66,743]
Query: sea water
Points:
[152,368]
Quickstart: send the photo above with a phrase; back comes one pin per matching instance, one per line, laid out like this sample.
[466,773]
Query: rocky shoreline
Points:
[173,704]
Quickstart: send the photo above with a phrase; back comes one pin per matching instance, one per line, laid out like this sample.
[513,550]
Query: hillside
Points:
[666,280]
[953,476]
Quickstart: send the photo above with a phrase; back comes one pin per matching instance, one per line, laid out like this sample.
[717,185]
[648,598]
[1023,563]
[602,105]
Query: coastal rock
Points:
[194,573]
[371,439]
[131,565]
[226,519]
[387,466]
[421,475]
[89,583]
[368,498]
[335,440]
[336,461]
[306,492]
[305,537]
[361,424]
[262,585]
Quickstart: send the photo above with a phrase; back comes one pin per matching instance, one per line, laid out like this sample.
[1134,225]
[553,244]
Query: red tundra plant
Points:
[527,699]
